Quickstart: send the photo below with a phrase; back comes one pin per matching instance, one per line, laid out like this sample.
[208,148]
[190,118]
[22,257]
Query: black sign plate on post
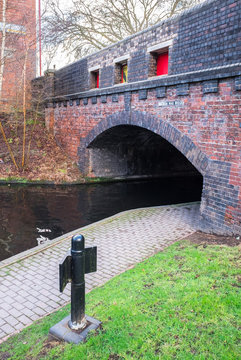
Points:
[65,271]
[90,259]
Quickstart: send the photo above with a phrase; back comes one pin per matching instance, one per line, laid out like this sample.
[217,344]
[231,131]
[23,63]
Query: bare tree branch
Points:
[86,26]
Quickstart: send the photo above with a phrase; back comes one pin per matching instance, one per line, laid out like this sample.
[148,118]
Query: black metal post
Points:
[77,262]
[78,320]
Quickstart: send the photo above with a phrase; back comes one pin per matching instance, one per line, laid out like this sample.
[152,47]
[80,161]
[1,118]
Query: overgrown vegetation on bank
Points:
[44,160]
[183,303]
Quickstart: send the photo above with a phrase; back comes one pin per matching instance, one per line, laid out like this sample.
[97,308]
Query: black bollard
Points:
[78,320]
[77,262]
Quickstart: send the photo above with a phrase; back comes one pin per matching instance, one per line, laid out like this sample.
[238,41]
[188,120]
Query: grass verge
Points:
[183,303]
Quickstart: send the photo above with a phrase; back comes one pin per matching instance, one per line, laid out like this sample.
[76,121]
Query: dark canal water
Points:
[29,215]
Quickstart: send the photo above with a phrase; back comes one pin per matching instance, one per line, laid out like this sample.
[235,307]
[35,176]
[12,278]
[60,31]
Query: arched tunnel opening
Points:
[133,152]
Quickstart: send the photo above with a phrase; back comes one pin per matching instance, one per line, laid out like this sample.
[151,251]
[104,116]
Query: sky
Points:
[60,59]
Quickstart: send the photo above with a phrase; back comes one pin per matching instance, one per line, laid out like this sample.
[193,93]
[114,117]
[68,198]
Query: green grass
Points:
[15,179]
[23,181]
[183,303]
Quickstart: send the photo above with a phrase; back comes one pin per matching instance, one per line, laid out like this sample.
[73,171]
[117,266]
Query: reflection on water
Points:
[32,215]
[42,239]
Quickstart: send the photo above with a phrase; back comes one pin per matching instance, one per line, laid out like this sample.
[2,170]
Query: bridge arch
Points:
[213,208]
[163,130]
[153,124]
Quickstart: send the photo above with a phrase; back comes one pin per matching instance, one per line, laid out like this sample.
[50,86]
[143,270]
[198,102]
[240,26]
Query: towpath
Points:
[29,281]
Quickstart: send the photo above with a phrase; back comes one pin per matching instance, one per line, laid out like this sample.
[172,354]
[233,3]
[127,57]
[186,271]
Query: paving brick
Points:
[14,312]
[30,305]
[2,334]
[18,298]
[6,306]
[39,311]
[25,320]
[65,297]
[19,326]
[23,294]
[34,317]
[2,321]
[54,297]
[28,312]
[7,329]
[3,314]
[40,304]
[11,321]
[6,283]
[3,289]
[32,298]
[18,306]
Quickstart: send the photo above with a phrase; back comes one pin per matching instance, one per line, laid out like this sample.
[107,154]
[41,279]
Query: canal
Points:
[32,215]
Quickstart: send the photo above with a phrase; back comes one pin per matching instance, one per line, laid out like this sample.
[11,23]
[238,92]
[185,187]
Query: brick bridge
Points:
[178,111]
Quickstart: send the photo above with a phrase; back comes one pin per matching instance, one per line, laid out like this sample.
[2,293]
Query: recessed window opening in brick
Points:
[159,62]
[124,73]
[121,69]
[159,58]
[127,150]
[121,72]
[94,79]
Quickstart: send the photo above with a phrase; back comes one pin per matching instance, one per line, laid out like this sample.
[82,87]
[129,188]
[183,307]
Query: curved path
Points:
[29,281]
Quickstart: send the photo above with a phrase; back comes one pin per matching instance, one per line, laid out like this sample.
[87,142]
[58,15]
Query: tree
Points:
[86,26]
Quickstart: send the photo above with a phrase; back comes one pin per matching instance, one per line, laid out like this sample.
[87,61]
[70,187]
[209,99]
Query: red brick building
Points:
[17,50]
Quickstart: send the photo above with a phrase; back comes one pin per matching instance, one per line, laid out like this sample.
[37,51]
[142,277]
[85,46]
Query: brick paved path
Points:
[29,286]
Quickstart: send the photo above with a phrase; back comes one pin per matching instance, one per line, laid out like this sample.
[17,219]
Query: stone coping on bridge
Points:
[216,73]
[29,281]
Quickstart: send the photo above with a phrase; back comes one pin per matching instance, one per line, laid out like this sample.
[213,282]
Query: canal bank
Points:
[29,282]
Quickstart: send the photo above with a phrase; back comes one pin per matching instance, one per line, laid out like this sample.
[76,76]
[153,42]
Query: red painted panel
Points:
[162,64]
[97,79]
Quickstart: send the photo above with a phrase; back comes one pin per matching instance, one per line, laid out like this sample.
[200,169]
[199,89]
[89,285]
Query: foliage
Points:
[44,157]
[183,303]
[18,129]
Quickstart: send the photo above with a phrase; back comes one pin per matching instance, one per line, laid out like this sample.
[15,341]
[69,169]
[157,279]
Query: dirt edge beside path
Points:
[204,239]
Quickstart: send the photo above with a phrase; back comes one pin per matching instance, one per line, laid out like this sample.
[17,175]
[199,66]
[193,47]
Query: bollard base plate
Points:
[62,331]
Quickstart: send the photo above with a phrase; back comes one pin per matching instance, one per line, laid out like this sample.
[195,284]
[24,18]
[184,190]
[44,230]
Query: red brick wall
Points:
[209,119]
[74,122]
[21,13]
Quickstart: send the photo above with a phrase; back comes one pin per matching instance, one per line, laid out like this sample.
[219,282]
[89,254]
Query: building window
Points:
[94,78]
[97,78]
[121,69]
[124,73]
[159,59]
